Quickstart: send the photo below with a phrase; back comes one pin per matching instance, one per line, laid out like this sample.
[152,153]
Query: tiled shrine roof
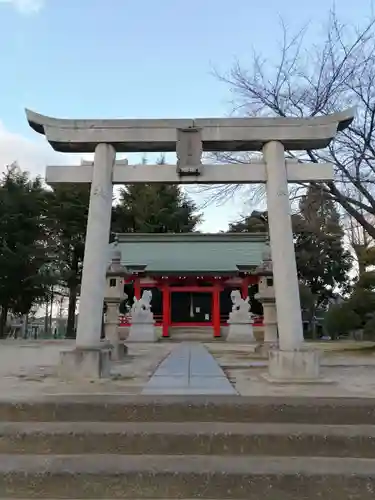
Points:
[190,253]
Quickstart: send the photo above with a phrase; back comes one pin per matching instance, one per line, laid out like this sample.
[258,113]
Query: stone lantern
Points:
[266,296]
[113,297]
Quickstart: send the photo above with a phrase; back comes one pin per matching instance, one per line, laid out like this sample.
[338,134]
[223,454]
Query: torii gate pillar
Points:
[291,362]
[282,249]
[96,248]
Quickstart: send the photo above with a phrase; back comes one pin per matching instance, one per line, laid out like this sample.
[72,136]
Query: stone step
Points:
[113,408]
[191,333]
[171,477]
[189,438]
[192,337]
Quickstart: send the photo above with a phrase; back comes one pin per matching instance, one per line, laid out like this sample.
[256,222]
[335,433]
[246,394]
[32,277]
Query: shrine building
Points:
[191,276]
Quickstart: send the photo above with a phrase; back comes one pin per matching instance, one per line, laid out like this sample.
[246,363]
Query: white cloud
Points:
[31,155]
[26,6]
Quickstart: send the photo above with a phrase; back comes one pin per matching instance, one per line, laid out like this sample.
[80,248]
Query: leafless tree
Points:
[336,73]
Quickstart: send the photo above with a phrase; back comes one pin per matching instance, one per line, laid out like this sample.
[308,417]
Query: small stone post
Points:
[113,296]
[266,296]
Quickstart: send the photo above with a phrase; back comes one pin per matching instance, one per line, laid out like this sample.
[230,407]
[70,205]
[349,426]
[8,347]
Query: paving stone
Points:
[160,381]
[188,391]
[189,369]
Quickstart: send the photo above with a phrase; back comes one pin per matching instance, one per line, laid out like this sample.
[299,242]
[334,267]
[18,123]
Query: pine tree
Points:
[323,262]
[68,213]
[154,208]
[256,222]
[25,258]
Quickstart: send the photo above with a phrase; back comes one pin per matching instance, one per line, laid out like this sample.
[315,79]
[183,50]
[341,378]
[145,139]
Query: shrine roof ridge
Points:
[218,134]
[195,236]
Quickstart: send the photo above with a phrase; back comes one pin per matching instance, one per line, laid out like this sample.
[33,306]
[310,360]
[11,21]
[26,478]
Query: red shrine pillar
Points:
[245,287]
[216,309]
[137,288]
[166,309]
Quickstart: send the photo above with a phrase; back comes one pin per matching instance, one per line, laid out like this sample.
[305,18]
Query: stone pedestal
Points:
[241,333]
[142,332]
[300,366]
[111,327]
[270,323]
[271,341]
[270,335]
[85,363]
[118,351]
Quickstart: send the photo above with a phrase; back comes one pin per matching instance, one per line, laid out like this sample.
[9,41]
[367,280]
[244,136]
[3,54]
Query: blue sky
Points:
[135,59]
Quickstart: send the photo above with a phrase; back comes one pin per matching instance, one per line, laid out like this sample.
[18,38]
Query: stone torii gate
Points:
[189,138]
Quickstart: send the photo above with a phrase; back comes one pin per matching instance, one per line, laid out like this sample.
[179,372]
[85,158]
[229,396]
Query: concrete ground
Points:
[352,372]
[29,369]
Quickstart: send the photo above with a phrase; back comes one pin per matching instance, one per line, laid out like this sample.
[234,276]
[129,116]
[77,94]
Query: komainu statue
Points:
[141,309]
[142,320]
[240,320]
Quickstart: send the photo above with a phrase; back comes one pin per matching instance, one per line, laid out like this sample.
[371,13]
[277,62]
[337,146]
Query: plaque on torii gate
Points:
[189,151]
[189,138]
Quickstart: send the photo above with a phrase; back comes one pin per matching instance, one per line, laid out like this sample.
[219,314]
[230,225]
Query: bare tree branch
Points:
[336,73]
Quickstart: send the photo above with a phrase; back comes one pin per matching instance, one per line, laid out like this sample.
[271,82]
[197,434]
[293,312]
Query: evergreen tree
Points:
[68,212]
[322,261]
[25,258]
[154,208]
[256,222]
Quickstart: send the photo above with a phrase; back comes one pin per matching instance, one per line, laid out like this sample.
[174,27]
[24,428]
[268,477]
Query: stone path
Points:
[189,369]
